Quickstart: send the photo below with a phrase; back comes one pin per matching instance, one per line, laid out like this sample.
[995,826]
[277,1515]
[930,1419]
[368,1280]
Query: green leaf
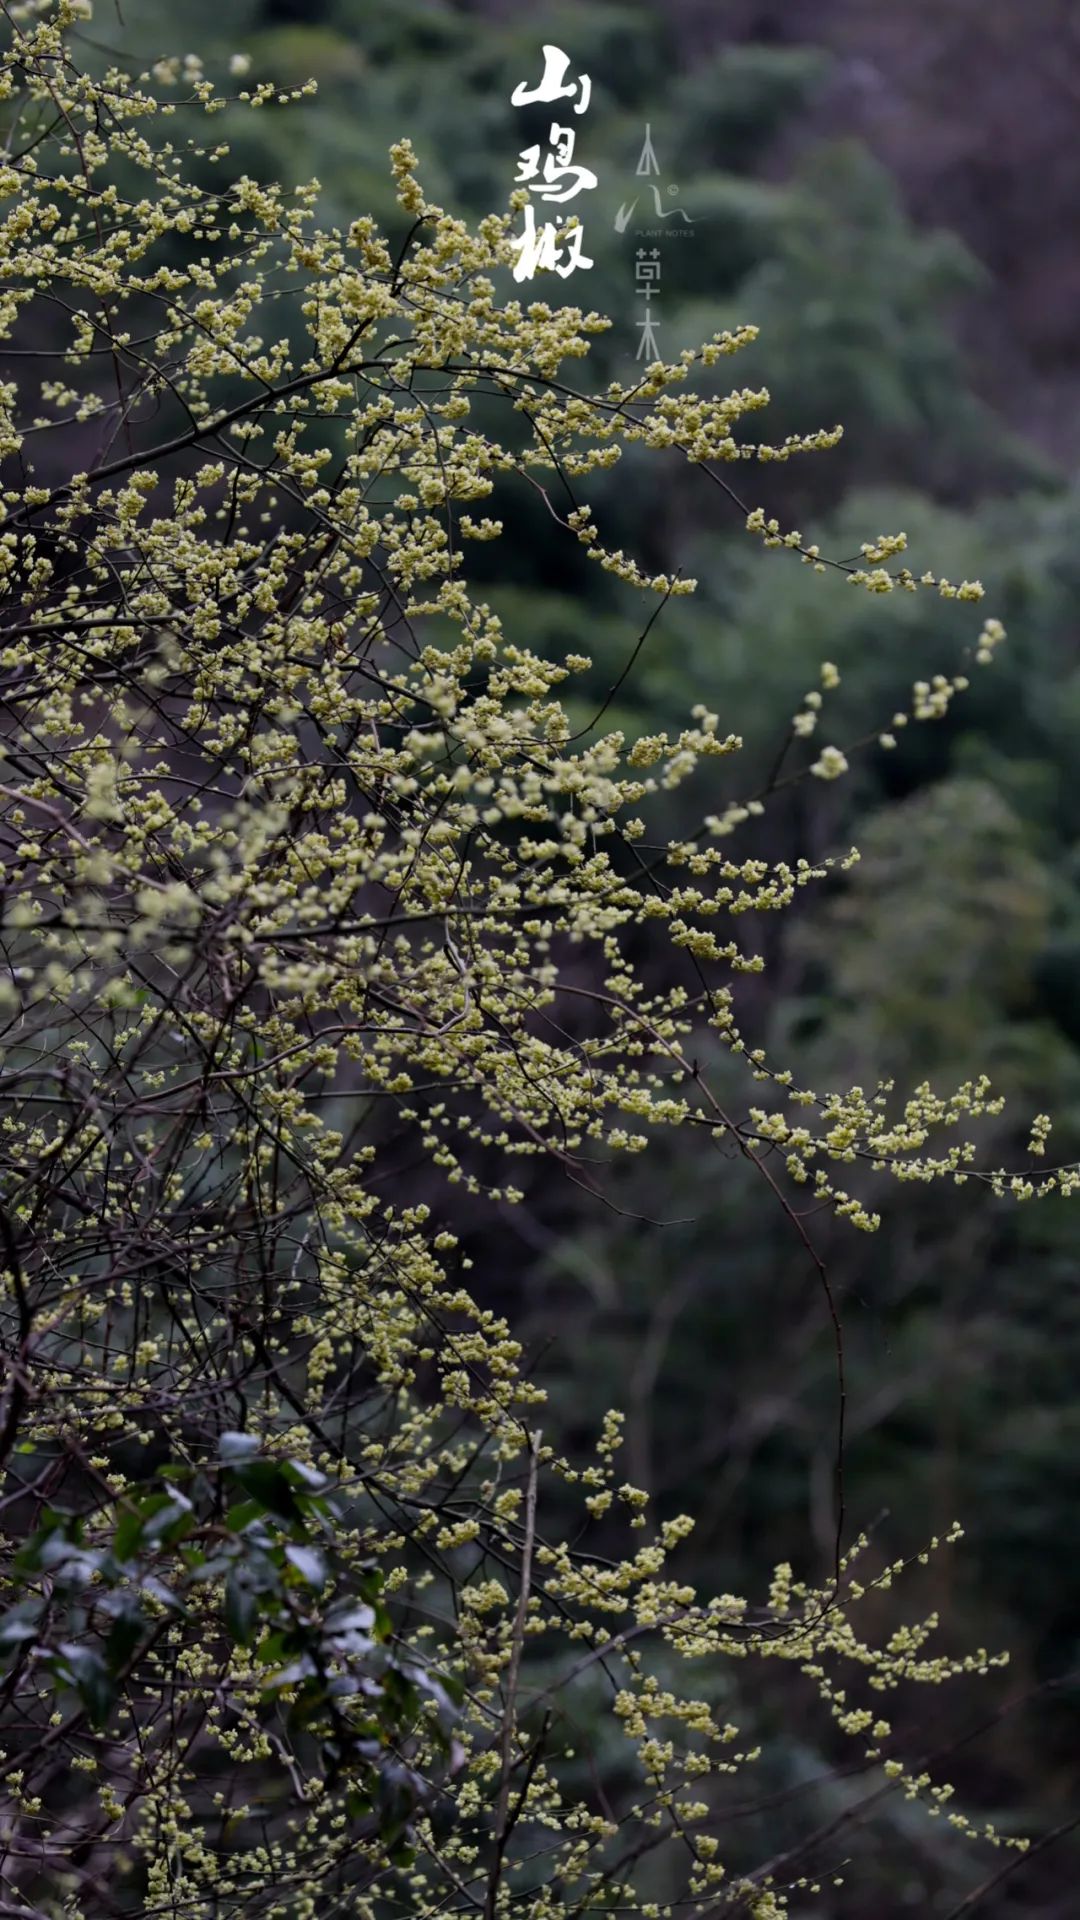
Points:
[309,1564]
[274,1647]
[20,1624]
[266,1481]
[28,1558]
[129,1533]
[171,1515]
[125,1634]
[70,1564]
[302,1668]
[237,1446]
[83,1669]
[241,1610]
[242,1514]
[298,1470]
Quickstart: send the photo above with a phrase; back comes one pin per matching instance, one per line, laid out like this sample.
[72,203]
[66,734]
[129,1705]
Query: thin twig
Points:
[503,1823]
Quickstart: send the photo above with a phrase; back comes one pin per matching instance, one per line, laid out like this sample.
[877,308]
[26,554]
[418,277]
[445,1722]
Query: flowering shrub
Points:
[303,856]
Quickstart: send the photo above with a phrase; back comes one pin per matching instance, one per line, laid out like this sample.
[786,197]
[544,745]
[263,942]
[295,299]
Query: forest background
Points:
[893,197]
